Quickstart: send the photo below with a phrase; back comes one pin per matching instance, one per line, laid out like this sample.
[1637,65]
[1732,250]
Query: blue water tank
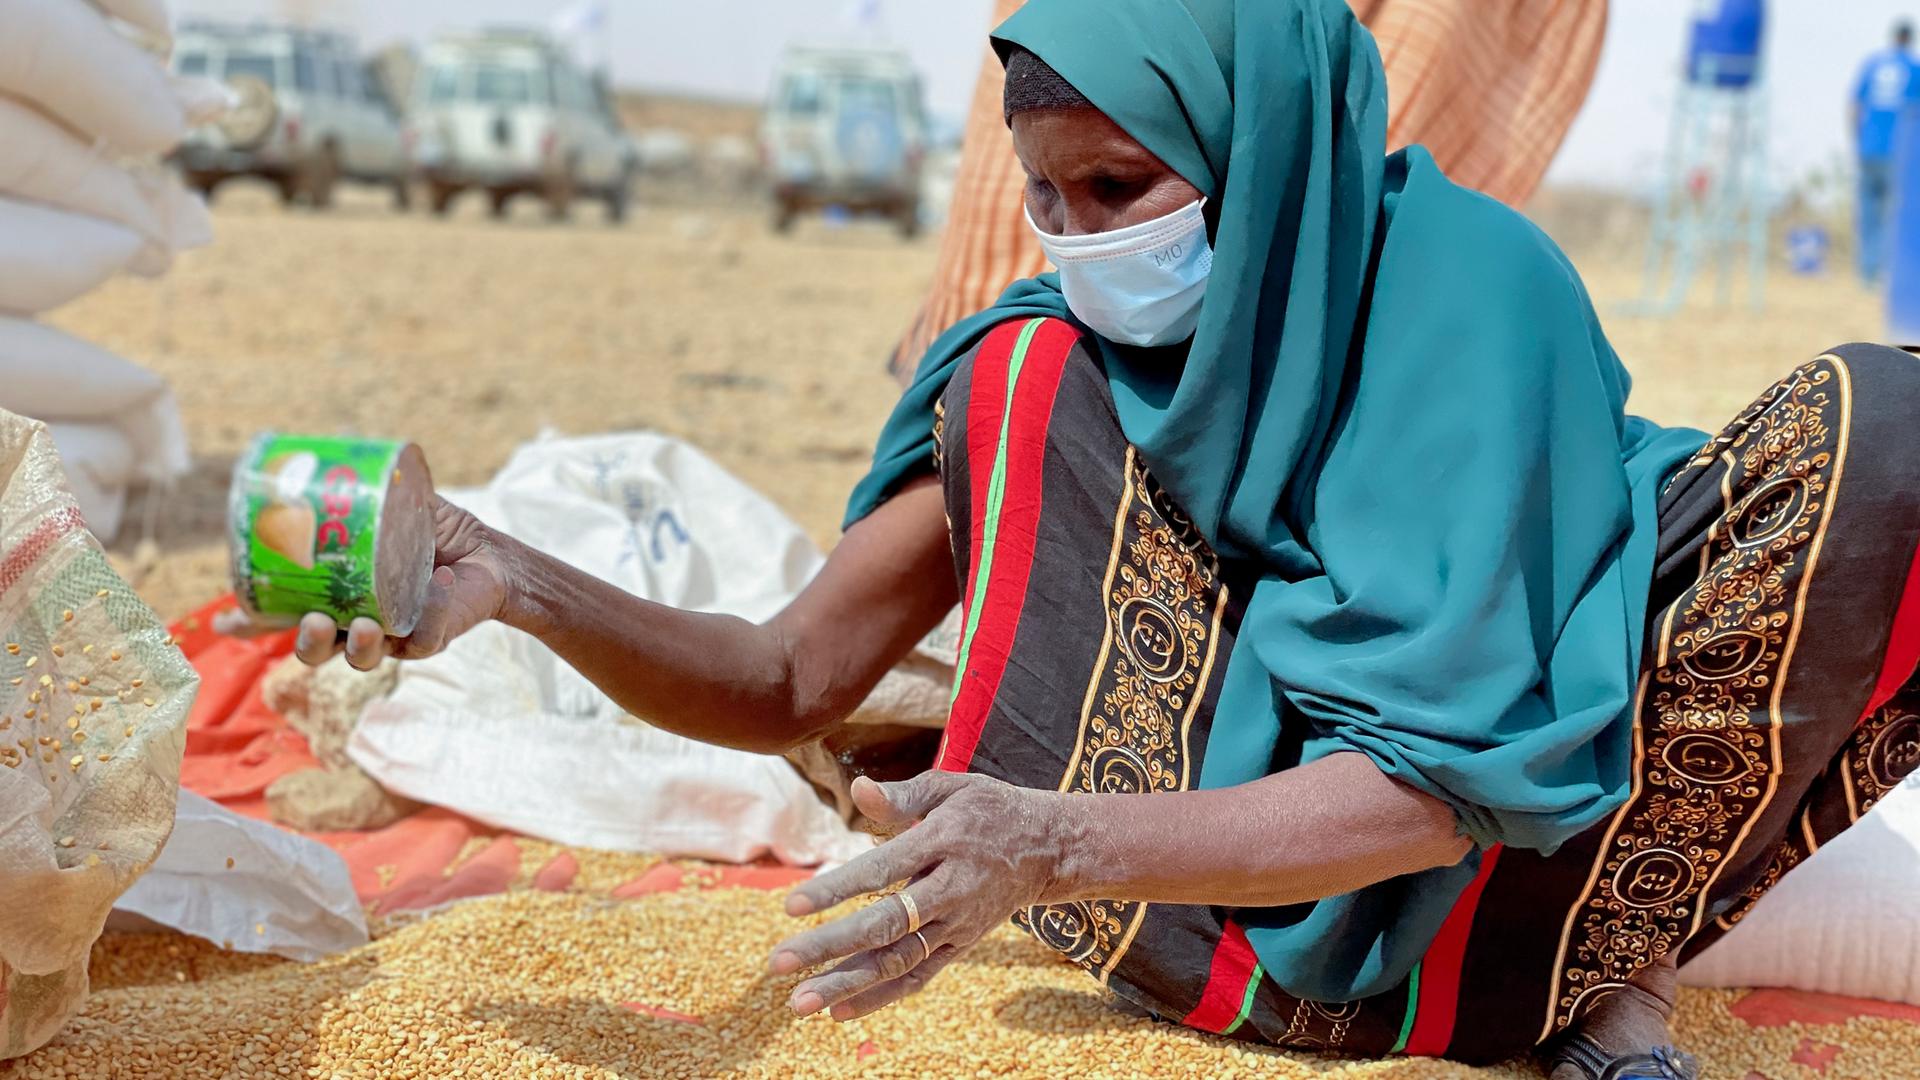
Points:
[1723,46]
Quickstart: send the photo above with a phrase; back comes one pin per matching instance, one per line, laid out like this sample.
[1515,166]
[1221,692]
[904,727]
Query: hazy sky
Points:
[728,47]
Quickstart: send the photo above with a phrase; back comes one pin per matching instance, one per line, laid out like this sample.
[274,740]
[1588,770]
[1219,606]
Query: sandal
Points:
[1660,1063]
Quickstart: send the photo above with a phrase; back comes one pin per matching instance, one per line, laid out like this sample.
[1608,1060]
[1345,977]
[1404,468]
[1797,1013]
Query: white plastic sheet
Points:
[247,886]
[500,729]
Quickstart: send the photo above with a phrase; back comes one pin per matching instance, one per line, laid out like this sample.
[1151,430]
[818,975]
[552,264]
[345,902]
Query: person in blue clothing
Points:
[1885,86]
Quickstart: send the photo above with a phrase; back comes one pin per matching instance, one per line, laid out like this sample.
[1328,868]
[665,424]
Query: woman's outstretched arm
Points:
[716,678]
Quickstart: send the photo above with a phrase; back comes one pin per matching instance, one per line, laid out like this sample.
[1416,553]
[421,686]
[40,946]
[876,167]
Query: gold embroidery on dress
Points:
[1880,753]
[1319,1025]
[1707,752]
[1164,602]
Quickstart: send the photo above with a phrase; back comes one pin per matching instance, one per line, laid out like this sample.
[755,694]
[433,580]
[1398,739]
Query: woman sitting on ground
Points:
[1342,668]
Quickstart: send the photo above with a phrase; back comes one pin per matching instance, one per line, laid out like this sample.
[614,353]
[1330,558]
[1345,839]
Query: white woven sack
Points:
[148,15]
[53,376]
[1846,921]
[65,57]
[49,257]
[80,823]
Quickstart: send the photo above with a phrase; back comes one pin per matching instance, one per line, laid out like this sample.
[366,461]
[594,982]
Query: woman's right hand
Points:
[469,586]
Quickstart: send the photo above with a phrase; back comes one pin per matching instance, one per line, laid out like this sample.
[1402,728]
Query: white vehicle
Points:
[846,128]
[311,113]
[508,113]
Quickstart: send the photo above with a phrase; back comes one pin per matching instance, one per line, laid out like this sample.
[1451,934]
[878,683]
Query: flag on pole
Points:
[581,18]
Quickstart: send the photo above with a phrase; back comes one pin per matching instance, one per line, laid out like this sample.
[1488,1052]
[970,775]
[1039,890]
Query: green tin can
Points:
[339,525]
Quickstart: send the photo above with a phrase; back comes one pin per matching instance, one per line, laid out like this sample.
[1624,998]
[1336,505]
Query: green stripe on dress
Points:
[1413,1010]
[1246,1002]
[990,518]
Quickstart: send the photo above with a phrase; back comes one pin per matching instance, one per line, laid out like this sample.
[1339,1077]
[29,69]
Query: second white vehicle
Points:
[509,113]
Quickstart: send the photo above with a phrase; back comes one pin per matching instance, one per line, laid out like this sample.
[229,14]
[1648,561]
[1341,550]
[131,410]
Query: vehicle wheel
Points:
[620,198]
[403,194]
[497,201]
[289,187]
[907,220]
[784,213]
[559,194]
[320,176]
[205,184]
[440,197]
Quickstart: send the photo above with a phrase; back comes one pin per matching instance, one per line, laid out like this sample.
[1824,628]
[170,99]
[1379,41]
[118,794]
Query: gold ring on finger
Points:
[913,912]
[926,950]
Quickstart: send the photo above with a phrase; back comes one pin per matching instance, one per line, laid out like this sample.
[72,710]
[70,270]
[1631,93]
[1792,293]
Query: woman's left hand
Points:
[981,851]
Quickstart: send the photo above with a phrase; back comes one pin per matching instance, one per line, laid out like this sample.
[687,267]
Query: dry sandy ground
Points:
[470,335]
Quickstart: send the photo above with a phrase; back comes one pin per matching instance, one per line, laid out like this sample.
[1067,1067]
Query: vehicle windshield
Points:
[190,63]
[800,96]
[262,66]
[486,83]
[443,84]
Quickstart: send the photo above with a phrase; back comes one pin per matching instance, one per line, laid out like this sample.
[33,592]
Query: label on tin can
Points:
[332,525]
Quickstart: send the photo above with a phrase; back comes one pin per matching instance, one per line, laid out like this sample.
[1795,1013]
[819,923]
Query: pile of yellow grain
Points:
[672,985]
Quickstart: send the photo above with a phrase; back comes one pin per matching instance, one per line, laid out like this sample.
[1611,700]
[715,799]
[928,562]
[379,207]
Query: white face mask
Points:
[1140,285]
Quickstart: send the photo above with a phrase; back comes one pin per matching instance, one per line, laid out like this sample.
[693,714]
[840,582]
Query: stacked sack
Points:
[87,109]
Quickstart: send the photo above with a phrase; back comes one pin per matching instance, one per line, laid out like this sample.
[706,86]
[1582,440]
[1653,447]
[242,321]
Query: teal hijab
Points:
[1398,419]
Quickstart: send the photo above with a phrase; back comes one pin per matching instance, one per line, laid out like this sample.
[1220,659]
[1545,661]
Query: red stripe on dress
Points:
[1019,526]
[1233,965]
[986,400]
[1903,644]
[1440,969]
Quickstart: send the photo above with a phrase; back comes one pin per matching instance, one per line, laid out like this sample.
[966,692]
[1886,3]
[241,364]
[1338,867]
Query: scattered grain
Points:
[66,841]
[67,615]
